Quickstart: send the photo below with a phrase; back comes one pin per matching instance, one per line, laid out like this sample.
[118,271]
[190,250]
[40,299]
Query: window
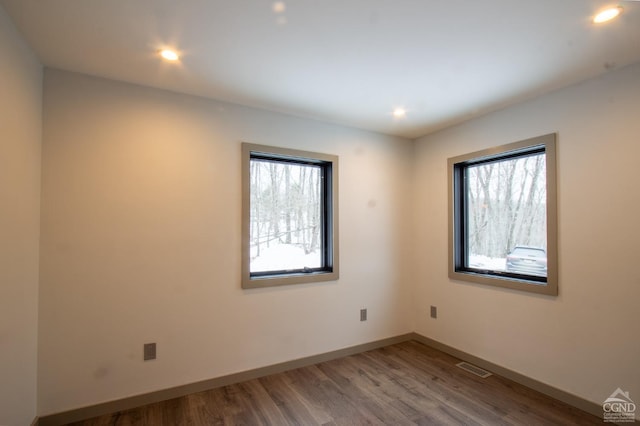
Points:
[502,216]
[290,216]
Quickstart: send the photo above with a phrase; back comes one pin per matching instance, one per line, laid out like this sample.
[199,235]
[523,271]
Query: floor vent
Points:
[474,370]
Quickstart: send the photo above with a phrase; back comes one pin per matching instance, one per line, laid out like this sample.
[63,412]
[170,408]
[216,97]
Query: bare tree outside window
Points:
[506,208]
[285,221]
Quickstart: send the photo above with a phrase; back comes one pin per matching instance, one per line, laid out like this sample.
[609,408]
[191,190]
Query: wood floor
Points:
[404,384]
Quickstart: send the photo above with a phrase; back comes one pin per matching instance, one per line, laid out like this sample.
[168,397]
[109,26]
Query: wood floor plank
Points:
[382,390]
[404,384]
[289,402]
[365,391]
[328,397]
[419,385]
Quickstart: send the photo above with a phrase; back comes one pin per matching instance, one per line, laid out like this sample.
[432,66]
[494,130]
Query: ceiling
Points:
[349,62]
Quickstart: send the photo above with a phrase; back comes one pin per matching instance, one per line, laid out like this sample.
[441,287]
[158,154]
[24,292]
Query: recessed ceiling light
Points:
[169,55]
[607,14]
[279,7]
[399,112]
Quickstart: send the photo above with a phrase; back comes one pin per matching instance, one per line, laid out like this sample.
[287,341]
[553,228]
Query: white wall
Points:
[20,137]
[585,341]
[141,242]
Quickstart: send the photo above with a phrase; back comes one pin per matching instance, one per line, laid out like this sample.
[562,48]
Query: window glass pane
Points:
[285,224]
[507,215]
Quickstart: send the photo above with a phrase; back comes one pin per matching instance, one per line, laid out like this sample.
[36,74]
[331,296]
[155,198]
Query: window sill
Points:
[549,288]
[288,279]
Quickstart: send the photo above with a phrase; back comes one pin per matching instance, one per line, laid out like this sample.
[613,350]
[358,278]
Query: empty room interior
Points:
[154,157]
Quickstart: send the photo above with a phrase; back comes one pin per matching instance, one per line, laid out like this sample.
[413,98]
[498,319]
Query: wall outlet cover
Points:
[149,351]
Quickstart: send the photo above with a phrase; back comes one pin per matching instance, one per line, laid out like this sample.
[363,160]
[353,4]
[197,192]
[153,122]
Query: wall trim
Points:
[88,412]
[101,409]
[555,393]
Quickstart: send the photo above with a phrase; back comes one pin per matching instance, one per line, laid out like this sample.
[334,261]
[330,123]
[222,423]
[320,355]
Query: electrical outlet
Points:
[363,314]
[434,312]
[149,351]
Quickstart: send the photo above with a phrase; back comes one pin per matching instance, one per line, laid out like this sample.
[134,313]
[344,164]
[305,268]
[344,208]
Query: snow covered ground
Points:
[283,257]
[489,263]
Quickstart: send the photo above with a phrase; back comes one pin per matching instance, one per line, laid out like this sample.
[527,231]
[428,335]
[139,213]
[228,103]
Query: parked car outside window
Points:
[527,260]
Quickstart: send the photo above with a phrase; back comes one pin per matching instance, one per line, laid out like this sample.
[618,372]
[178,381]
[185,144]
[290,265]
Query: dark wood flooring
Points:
[404,384]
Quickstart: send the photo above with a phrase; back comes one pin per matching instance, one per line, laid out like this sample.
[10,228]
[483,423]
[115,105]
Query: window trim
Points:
[330,223]
[546,143]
